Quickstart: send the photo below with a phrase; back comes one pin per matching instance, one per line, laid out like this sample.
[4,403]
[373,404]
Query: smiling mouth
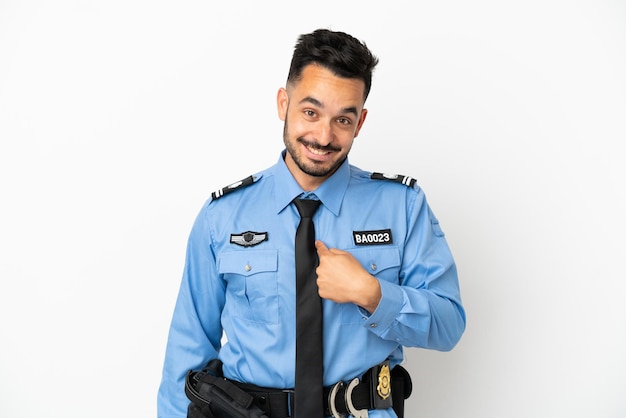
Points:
[315,149]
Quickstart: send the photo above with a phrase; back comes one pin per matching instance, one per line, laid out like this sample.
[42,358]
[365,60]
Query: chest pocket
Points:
[382,263]
[252,286]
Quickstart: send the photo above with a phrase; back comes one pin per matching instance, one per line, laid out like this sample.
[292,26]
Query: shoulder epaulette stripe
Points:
[232,187]
[406,180]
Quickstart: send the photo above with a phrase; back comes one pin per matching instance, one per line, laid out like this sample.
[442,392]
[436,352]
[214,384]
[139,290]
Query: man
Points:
[386,276]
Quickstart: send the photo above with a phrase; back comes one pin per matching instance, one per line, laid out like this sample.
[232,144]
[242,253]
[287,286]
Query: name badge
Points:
[378,237]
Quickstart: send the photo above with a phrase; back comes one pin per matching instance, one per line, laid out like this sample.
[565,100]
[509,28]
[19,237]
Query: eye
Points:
[310,113]
[344,121]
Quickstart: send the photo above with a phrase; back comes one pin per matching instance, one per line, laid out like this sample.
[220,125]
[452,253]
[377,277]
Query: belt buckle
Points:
[356,413]
[332,395]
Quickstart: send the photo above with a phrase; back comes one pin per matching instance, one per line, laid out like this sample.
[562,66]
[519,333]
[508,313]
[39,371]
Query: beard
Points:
[312,168]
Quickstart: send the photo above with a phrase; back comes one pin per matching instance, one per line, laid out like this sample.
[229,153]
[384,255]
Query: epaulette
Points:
[406,180]
[235,186]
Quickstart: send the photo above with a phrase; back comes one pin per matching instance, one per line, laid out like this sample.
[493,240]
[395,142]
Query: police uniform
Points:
[239,279]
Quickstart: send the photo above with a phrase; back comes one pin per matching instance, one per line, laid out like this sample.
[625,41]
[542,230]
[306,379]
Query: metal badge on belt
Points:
[384,382]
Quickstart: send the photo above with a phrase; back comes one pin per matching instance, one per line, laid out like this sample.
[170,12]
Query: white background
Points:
[118,118]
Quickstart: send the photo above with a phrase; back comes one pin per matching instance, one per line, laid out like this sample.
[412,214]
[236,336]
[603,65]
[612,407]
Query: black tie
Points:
[309,397]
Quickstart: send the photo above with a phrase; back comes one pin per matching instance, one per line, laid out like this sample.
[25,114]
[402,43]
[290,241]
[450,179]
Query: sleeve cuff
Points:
[388,309]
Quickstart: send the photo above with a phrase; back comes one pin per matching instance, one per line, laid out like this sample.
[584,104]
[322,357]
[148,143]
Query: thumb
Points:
[320,247]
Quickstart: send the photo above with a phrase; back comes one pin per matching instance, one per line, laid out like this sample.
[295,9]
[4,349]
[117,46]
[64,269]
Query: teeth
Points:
[317,151]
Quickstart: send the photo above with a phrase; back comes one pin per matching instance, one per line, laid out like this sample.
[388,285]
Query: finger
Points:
[320,247]
[337,251]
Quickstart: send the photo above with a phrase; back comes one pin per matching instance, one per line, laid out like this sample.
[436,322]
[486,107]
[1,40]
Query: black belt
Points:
[380,388]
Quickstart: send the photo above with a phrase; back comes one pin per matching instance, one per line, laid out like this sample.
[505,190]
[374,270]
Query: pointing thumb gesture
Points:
[342,279]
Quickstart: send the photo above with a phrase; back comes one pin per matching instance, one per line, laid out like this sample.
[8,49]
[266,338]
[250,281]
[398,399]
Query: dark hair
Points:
[339,52]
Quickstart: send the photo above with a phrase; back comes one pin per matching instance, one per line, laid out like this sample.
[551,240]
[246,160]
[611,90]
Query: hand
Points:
[342,279]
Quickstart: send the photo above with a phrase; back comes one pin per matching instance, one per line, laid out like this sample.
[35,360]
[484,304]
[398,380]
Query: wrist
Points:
[371,295]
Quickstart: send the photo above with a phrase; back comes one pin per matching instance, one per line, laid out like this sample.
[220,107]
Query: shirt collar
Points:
[330,192]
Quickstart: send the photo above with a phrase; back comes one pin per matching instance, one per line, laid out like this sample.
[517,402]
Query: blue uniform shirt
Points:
[247,292]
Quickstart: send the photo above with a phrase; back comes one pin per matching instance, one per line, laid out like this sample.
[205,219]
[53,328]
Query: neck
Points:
[306,181]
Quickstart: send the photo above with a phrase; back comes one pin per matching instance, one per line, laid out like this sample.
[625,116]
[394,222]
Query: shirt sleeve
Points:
[195,332]
[424,308]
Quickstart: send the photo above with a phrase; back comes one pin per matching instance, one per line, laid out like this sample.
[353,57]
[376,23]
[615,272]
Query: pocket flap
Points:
[378,259]
[248,262]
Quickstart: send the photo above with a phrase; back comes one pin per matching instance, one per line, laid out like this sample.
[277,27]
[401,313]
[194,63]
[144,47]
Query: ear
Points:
[360,123]
[282,103]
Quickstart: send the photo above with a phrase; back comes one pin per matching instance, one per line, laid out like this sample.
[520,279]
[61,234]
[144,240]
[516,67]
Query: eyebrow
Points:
[317,103]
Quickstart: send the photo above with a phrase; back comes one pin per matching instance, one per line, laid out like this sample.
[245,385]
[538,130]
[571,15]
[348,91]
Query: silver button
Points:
[374,325]
[373,267]
[248,267]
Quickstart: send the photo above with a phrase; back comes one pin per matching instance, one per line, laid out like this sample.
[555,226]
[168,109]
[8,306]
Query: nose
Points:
[324,135]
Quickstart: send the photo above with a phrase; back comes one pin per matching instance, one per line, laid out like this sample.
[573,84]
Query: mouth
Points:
[316,151]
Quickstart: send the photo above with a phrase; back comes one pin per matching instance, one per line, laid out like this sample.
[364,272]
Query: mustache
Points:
[315,145]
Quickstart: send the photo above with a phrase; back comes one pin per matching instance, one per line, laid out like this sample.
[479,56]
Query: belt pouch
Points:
[402,387]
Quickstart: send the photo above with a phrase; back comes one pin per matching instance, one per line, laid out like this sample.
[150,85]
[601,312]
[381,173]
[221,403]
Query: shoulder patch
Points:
[406,180]
[235,186]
